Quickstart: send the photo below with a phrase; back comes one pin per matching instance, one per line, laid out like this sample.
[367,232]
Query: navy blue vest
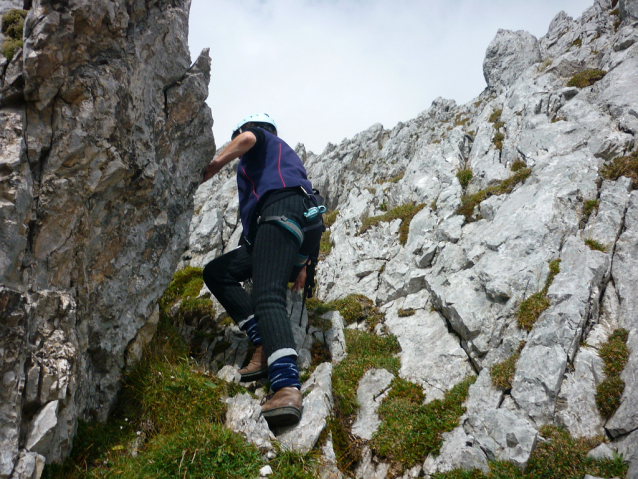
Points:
[273,167]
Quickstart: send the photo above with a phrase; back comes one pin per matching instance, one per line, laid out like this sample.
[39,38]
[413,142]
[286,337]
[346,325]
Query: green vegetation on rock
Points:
[12,28]
[464,176]
[518,165]
[403,313]
[586,78]
[404,212]
[353,308]
[614,354]
[410,430]
[185,287]
[595,245]
[502,373]
[558,457]
[365,351]
[469,202]
[169,421]
[531,308]
[325,245]
[622,166]
[589,206]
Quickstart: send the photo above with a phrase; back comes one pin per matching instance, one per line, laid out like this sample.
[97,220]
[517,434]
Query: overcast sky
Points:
[328,69]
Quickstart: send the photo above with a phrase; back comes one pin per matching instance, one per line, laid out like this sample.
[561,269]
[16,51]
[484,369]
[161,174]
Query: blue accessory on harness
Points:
[314,211]
[286,223]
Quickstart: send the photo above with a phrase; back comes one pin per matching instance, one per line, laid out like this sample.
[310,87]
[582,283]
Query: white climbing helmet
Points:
[256,118]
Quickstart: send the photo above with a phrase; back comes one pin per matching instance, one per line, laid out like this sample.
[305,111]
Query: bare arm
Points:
[240,145]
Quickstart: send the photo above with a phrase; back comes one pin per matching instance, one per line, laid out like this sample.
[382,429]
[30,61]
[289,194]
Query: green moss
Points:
[365,351]
[531,308]
[577,43]
[622,166]
[615,355]
[12,28]
[586,78]
[464,176]
[404,212]
[498,140]
[589,206]
[410,430]
[502,373]
[460,120]
[558,457]
[406,312]
[595,245]
[469,202]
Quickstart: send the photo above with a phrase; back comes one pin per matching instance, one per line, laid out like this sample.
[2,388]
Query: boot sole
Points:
[282,416]
[254,376]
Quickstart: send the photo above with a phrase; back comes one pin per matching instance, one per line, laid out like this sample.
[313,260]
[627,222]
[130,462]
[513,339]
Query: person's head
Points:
[260,120]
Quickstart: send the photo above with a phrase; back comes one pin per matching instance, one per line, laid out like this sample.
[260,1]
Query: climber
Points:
[281,223]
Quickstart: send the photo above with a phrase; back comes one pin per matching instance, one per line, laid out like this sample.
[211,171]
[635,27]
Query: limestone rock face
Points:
[451,291]
[103,136]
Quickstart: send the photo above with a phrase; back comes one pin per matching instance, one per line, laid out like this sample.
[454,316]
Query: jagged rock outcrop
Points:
[465,275]
[103,136]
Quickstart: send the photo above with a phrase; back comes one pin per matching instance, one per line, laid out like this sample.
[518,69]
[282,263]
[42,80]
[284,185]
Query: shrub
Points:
[586,78]
[404,212]
[464,176]
[12,28]
[622,166]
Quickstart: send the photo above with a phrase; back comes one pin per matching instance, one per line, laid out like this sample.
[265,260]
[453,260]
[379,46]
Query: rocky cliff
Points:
[522,247]
[103,136]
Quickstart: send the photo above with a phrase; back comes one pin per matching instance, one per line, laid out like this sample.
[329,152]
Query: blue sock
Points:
[284,373]
[252,331]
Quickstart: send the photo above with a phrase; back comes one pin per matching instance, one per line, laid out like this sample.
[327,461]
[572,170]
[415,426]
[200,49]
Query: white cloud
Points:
[328,69]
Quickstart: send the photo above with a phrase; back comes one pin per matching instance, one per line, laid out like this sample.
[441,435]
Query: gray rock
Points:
[430,355]
[576,404]
[244,417]
[335,338]
[628,10]
[502,435]
[329,468]
[459,451]
[627,446]
[509,54]
[317,405]
[42,428]
[602,451]
[373,389]
[230,374]
[370,467]
[30,466]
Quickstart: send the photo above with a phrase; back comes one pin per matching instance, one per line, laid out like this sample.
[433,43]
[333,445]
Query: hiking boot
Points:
[284,408]
[257,367]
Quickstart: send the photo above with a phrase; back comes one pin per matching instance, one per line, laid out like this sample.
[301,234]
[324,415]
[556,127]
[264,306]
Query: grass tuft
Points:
[586,78]
[622,166]
[403,313]
[464,176]
[325,244]
[615,355]
[404,212]
[469,202]
[410,430]
[354,308]
[518,165]
[595,245]
[531,308]
[503,373]
[589,206]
